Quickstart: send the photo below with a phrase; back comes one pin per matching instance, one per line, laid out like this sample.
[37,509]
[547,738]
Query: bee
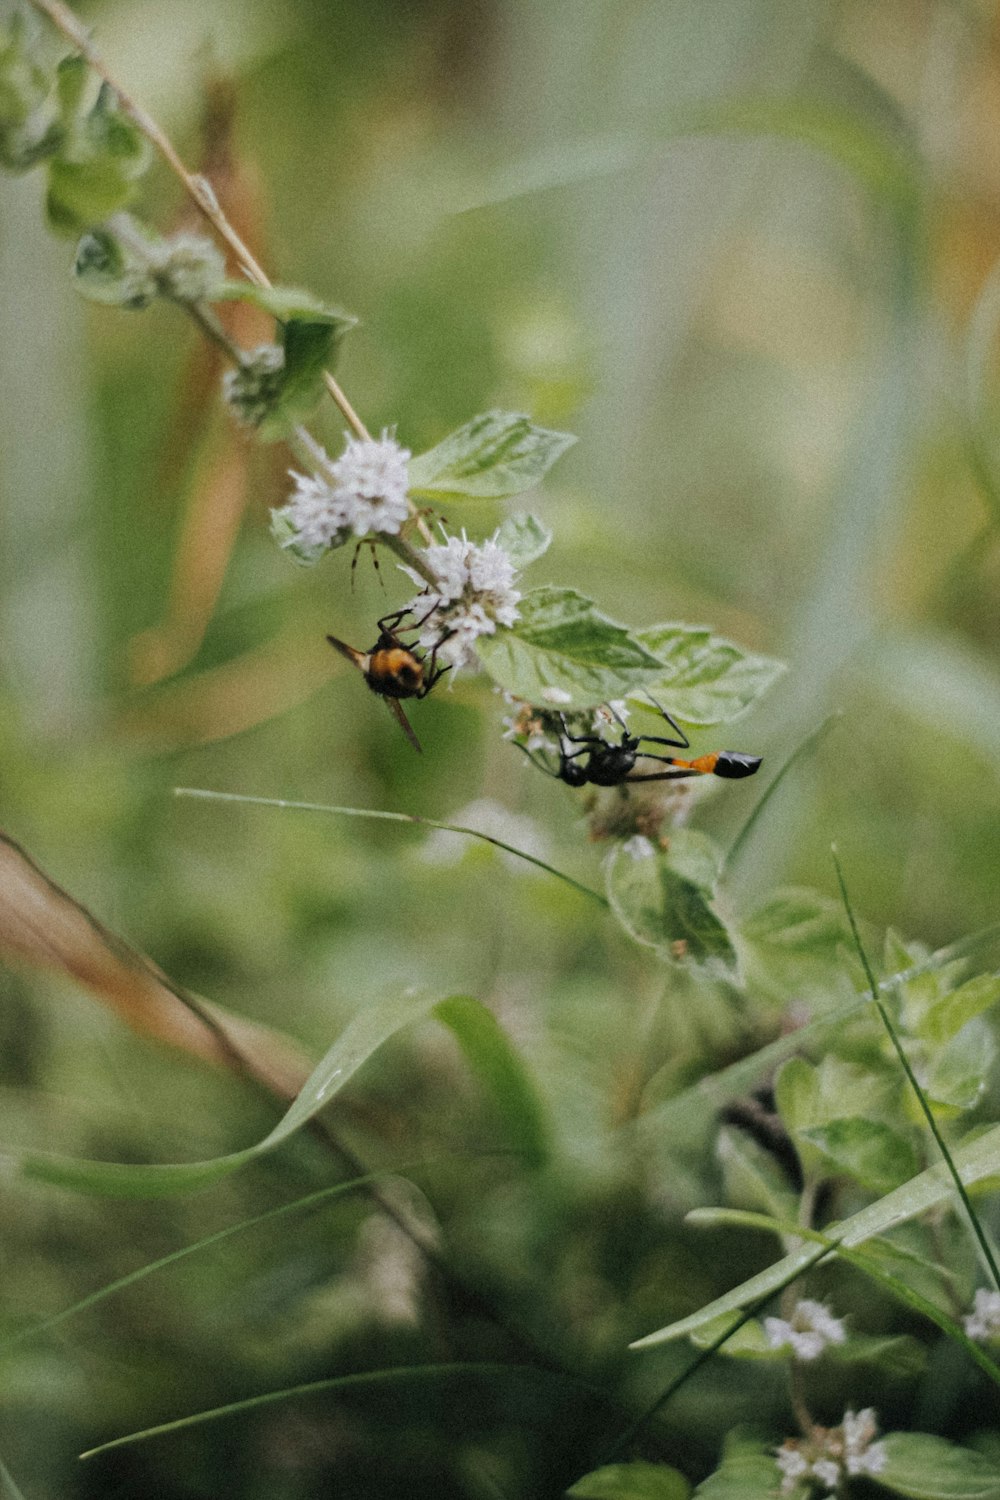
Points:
[601,763]
[394,671]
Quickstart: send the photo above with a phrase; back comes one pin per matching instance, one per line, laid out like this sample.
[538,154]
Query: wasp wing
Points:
[357,659]
[396,709]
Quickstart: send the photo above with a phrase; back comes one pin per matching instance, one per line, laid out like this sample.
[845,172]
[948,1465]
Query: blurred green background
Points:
[738,247]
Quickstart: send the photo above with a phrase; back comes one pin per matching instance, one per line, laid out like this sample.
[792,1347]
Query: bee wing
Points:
[358,659]
[396,709]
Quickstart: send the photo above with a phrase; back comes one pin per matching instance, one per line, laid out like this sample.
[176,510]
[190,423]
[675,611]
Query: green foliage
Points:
[747,1472]
[662,898]
[706,680]
[926,1467]
[563,644]
[497,454]
[26,137]
[100,157]
[634,1481]
[524,538]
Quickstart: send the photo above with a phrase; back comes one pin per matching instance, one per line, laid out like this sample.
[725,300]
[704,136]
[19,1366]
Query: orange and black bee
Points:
[600,763]
[394,671]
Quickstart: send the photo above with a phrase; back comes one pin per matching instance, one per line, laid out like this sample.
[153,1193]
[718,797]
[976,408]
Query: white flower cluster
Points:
[188,267]
[983,1323]
[811,1328]
[832,1452]
[474,594]
[362,491]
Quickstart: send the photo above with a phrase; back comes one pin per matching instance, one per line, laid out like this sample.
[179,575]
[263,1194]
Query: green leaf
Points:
[795,939]
[809,1096]
[562,642]
[287,304]
[634,1481]
[363,1036]
[524,538]
[705,679]
[898,1355]
[748,1472]
[25,136]
[870,1151]
[309,352]
[751,1176]
[492,1056]
[100,155]
[661,898]
[926,1467]
[955,1075]
[497,454]
[947,1013]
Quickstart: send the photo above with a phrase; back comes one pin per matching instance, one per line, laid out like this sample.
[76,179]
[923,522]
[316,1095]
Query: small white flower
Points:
[556,695]
[830,1453]
[638,847]
[983,1322]
[473,594]
[792,1464]
[810,1330]
[362,491]
[608,719]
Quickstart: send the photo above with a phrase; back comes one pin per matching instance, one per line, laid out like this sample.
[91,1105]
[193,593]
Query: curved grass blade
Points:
[802,748]
[863,1262]
[363,1036]
[977,1229]
[463,1375]
[141,1272]
[205,795]
[976,1162]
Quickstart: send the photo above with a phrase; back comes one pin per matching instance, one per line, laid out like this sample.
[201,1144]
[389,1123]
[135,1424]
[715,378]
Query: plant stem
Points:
[198,188]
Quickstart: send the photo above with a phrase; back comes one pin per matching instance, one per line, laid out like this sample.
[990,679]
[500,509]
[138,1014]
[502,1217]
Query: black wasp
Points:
[598,762]
[393,670]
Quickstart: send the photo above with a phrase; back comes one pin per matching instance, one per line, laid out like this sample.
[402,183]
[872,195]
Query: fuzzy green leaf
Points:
[869,1151]
[563,643]
[524,538]
[926,1467]
[748,1472]
[634,1481]
[956,1074]
[661,898]
[310,349]
[497,454]
[100,155]
[287,304]
[705,679]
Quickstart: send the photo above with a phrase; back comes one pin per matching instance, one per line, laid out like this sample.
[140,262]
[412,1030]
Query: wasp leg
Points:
[434,672]
[663,775]
[579,739]
[682,744]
